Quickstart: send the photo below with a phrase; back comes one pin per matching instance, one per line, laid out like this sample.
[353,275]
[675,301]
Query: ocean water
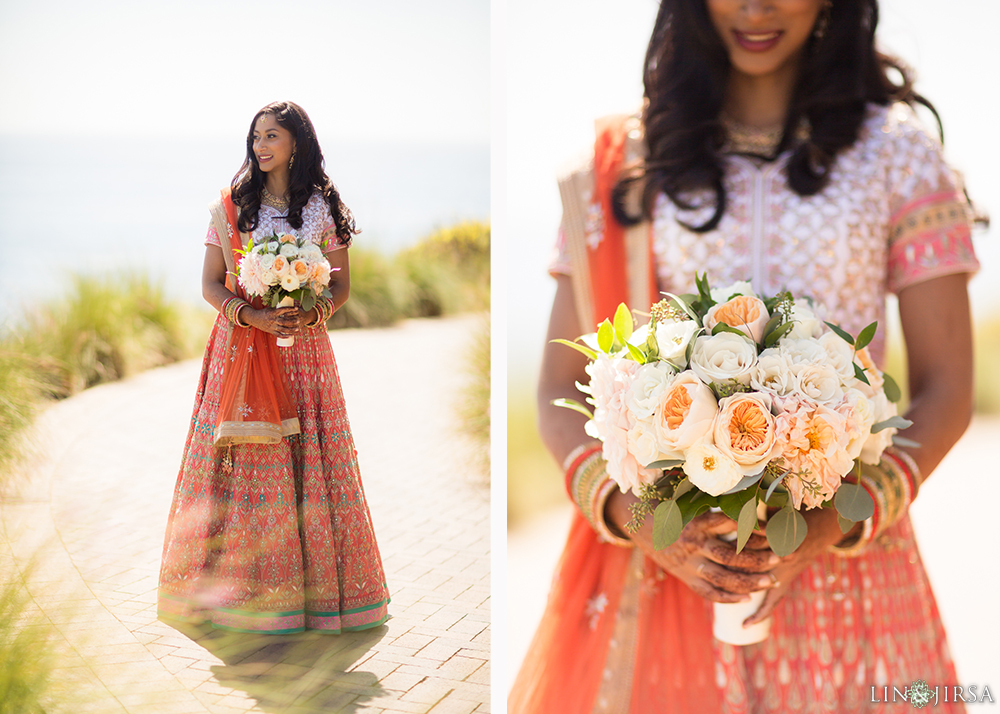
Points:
[98,204]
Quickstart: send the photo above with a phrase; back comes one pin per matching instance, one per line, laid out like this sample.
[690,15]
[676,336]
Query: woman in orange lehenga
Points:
[269,529]
[772,147]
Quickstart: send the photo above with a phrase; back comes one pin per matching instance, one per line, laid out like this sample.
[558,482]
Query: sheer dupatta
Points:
[618,634]
[254,404]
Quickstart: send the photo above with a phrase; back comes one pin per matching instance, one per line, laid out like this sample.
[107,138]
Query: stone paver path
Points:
[87,529]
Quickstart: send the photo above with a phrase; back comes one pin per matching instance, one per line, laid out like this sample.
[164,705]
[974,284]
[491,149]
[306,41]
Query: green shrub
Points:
[20,394]
[26,685]
[378,293]
[474,407]
[449,270]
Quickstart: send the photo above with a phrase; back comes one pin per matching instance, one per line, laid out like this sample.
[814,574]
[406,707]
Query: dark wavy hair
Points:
[307,175]
[686,70]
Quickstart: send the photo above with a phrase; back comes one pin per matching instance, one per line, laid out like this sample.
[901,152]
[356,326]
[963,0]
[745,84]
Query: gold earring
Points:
[290,162]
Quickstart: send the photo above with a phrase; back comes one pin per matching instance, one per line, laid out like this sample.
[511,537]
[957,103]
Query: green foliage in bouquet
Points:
[673,501]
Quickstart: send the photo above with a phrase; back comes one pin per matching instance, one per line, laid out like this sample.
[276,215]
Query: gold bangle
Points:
[590,487]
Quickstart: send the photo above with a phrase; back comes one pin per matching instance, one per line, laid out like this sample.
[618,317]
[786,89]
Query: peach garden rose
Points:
[744,430]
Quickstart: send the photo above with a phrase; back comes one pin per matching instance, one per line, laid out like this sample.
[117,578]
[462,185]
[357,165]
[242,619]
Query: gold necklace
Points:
[762,141]
[269,199]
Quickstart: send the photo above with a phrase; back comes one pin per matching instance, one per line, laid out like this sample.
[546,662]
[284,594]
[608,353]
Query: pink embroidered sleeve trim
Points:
[932,253]
[213,237]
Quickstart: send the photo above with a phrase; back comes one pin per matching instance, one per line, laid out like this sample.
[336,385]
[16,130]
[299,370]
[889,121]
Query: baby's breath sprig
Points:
[728,389]
[784,305]
[664,311]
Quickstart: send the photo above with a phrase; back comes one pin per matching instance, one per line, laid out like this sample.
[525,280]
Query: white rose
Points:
[805,323]
[773,373]
[740,287]
[723,357]
[289,250]
[802,352]
[820,382]
[642,442]
[289,282]
[311,252]
[643,394]
[272,247]
[672,338]
[711,470]
[875,444]
[840,356]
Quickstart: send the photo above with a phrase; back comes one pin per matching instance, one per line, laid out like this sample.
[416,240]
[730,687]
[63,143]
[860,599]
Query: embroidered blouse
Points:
[317,224]
[892,215]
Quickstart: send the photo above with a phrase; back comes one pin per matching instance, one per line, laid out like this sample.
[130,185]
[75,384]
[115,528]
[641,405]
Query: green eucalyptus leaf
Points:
[308,302]
[892,391]
[606,337]
[572,404]
[694,503]
[773,486]
[685,306]
[772,324]
[777,333]
[723,327]
[844,523]
[745,482]
[895,422]
[586,351]
[623,323]
[865,336]
[898,440]
[667,524]
[843,334]
[683,487]
[746,522]
[665,464]
[785,531]
[853,502]
[732,503]
[860,374]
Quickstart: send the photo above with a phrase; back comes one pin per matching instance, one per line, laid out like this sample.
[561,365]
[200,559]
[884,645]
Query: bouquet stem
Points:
[728,617]
[286,341]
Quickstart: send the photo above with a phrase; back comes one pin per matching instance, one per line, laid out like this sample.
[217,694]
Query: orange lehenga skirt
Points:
[282,540]
[621,635]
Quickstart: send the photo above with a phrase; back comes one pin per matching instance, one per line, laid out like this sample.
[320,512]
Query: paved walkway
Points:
[93,516]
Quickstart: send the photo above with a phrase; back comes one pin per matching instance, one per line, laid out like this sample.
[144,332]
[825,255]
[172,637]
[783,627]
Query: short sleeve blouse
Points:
[317,224]
[892,215]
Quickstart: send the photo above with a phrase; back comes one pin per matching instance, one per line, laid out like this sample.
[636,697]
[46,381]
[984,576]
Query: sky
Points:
[585,61]
[372,71]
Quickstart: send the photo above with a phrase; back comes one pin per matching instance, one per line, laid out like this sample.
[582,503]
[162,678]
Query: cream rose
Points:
[311,252]
[710,469]
[684,415]
[288,250]
[802,352]
[272,247]
[289,282]
[672,339]
[820,382]
[643,394]
[805,323]
[773,373]
[840,356]
[859,411]
[642,442]
[744,430]
[740,287]
[744,313]
[723,357]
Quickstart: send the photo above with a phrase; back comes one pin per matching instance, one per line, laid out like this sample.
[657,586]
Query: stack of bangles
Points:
[893,484]
[231,309]
[590,487]
[324,311]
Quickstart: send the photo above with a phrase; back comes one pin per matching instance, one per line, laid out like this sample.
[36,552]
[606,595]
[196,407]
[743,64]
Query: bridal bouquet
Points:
[284,268]
[729,400]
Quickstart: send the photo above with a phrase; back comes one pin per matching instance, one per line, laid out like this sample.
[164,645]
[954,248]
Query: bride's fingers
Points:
[733,581]
[771,599]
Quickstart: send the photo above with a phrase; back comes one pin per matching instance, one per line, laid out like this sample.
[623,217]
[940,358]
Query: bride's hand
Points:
[823,532]
[711,567]
[282,321]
